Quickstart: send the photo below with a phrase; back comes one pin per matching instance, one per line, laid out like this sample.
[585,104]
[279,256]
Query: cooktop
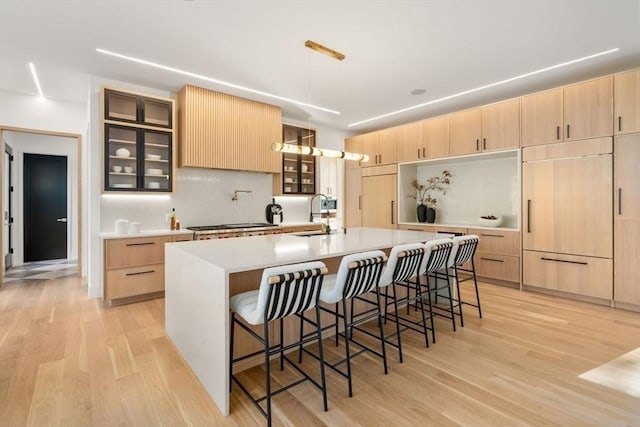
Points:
[230,226]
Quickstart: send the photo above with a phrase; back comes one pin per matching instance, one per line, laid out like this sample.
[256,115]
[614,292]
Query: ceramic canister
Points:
[121,226]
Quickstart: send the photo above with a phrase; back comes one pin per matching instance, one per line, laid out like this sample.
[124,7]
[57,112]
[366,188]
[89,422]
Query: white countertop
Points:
[256,252]
[144,233]
[459,225]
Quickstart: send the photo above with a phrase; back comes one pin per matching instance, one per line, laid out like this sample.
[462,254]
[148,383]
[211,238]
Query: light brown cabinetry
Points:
[353,145]
[626,97]
[380,146]
[627,219]
[498,254]
[379,197]
[133,267]
[588,109]
[222,131]
[426,139]
[488,128]
[408,146]
[542,117]
[353,197]
[567,218]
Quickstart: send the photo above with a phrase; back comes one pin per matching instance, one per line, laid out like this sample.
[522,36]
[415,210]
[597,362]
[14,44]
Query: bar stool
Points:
[358,274]
[436,256]
[465,249]
[437,272]
[284,291]
[403,264]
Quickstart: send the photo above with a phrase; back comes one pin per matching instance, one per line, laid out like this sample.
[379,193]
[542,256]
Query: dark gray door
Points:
[45,207]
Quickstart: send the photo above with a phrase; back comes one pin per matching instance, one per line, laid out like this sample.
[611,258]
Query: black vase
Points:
[431,215]
[422,213]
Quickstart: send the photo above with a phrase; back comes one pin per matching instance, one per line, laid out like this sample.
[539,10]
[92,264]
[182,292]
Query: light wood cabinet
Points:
[495,266]
[588,109]
[542,117]
[222,131]
[566,205]
[465,132]
[434,137]
[353,145]
[503,242]
[488,128]
[353,197]
[328,176]
[134,267]
[627,219]
[379,201]
[626,97]
[380,146]
[409,146]
[501,125]
[580,275]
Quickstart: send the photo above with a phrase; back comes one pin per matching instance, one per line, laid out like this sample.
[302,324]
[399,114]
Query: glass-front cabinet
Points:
[298,171]
[138,143]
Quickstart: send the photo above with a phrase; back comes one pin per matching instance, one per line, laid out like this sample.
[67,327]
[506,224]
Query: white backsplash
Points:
[295,208]
[202,197]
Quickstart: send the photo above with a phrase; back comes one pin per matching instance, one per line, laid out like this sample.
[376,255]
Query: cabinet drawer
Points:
[569,273]
[127,282]
[494,266]
[134,252]
[182,238]
[451,230]
[425,228]
[498,241]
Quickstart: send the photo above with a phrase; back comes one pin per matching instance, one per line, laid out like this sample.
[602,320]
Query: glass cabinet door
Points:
[121,149]
[298,171]
[120,106]
[157,160]
[156,112]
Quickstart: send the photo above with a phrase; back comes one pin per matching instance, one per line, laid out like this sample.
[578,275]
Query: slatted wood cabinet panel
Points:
[223,131]
[626,102]
[627,219]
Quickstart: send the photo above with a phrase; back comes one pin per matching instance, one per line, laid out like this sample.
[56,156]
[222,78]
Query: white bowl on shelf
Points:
[154,157]
[121,185]
[153,171]
[153,185]
[486,222]
[128,169]
[123,152]
[117,169]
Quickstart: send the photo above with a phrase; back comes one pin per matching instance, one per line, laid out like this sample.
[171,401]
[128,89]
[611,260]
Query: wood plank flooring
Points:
[66,360]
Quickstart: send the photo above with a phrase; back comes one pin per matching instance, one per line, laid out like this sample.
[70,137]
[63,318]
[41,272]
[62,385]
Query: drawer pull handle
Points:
[141,244]
[619,123]
[183,240]
[491,259]
[492,235]
[528,216]
[141,272]
[619,201]
[414,229]
[564,260]
[558,132]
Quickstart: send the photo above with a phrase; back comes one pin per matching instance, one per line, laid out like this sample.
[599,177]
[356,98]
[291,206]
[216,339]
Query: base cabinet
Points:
[578,275]
[379,207]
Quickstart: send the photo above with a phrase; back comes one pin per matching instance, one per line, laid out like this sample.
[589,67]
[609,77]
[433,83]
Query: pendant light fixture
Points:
[286,147]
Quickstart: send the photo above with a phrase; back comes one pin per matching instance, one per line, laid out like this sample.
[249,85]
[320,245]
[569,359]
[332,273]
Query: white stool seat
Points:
[246,305]
[328,292]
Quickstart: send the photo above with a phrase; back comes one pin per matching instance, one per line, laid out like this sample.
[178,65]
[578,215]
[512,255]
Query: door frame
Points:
[7,149]
[78,139]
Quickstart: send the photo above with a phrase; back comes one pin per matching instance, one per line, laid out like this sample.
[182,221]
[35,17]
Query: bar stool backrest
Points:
[359,273]
[464,249]
[436,256]
[403,263]
[290,289]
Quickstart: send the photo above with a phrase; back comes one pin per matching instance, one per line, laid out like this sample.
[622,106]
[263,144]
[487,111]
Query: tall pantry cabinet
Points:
[627,220]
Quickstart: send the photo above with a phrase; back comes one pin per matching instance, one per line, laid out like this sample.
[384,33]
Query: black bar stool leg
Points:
[346,343]
[459,296]
[475,283]
[267,372]
[301,334]
[424,320]
[384,351]
[395,306]
[453,316]
[281,344]
[322,377]
[337,335]
[433,329]
[233,324]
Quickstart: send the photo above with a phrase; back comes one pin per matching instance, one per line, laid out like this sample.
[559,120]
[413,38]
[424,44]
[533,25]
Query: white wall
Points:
[43,144]
[32,112]
[483,185]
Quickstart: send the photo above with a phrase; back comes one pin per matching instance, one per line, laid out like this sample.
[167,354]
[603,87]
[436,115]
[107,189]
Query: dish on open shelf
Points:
[121,186]
[153,171]
[154,157]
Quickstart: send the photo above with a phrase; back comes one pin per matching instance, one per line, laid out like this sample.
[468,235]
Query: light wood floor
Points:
[67,361]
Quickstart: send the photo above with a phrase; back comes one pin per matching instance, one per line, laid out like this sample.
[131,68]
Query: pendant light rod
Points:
[325,50]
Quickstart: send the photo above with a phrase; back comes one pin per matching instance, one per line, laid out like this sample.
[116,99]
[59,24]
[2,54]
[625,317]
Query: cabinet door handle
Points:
[528,216]
[414,229]
[424,155]
[619,201]
[477,145]
[491,259]
[360,202]
[492,235]
[484,143]
[141,244]
[564,260]
[558,132]
[619,123]
[141,272]
[418,153]
[392,203]
[568,131]
[379,158]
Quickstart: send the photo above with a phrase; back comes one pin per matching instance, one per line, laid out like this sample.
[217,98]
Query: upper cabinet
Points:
[627,102]
[380,147]
[298,170]
[408,145]
[353,145]
[222,131]
[488,128]
[542,117]
[426,139]
[138,142]
[588,109]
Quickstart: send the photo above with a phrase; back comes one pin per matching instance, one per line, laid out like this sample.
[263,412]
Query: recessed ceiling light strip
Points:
[216,81]
[501,82]
[35,78]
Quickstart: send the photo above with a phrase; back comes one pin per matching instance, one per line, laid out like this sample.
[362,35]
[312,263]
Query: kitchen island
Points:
[202,275]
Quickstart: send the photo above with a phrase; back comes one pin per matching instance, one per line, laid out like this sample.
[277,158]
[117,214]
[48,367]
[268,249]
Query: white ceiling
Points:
[392,47]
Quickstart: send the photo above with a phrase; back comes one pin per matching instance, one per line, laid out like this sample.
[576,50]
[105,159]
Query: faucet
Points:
[235,194]
[312,213]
